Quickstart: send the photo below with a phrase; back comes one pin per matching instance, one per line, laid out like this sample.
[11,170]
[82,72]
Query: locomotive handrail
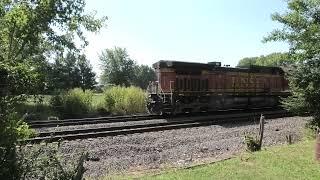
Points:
[162,93]
[171,93]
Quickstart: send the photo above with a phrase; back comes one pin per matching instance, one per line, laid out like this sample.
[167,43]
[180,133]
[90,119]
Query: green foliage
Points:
[57,102]
[143,75]
[28,28]
[295,103]
[12,129]
[301,29]
[24,132]
[252,143]
[273,59]
[86,73]
[19,79]
[304,81]
[119,69]
[77,102]
[125,100]
[45,162]
[71,71]
[310,132]
[30,32]
[35,108]
[74,103]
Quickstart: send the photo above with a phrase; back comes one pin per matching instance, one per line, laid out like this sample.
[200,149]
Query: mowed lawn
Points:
[283,162]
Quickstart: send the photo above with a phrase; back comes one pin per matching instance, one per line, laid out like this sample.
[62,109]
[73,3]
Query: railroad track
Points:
[72,122]
[115,119]
[175,123]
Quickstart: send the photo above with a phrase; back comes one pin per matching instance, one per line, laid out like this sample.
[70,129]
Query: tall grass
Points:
[74,103]
[124,100]
[78,104]
[35,108]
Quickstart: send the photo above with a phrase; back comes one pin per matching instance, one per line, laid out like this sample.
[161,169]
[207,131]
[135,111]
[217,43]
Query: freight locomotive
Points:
[196,87]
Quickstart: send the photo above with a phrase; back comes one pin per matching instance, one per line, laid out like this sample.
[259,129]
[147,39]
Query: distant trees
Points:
[87,76]
[119,69]
[143,75]
[301,29]
[70,71]
[273,59]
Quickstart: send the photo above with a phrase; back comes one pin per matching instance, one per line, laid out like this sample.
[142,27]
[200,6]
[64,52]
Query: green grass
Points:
[115,100]
[42,110]
[283,162]
[125,100]
[97,99]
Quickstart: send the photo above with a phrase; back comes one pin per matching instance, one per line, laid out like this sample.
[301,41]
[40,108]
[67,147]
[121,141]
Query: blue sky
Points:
[185,30]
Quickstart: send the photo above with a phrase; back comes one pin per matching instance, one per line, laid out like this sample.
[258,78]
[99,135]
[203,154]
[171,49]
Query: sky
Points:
[185,30]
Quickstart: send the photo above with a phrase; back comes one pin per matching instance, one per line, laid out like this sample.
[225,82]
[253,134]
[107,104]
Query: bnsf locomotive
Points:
[196,87]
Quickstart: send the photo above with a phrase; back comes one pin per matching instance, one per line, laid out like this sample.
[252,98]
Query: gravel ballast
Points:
[177,148]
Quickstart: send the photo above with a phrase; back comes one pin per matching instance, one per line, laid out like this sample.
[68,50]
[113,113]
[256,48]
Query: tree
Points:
[273,59]
[301,29]
[118,68]
[71,71]
[30,33]
[247,61]
[64,73]
[143,75]
[86,73]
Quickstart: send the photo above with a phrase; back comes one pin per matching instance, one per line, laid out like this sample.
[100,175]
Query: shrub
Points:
[45,162]
[57,102]
[34,108]
[124,100]
[12,129]
[101,109]
[252,143]
[74,103]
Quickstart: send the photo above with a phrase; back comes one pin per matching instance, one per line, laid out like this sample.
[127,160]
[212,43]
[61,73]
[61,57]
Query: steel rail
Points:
[71,122]
[130,129]
[114,119]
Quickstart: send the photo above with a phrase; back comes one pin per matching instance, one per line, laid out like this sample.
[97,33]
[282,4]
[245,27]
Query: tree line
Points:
[73,70]
[273,59]
[119,69]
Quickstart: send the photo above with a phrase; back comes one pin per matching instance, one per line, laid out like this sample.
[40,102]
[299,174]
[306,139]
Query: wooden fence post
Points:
[261,130]
[289,139]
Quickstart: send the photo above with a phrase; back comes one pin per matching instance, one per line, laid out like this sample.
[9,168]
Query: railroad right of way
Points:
[164,124]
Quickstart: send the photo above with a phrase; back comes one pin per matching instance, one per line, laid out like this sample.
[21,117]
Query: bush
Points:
[252,143]
[124,100]
[45,162]
[12,129]
[74,103]
[34,107]
[101,109]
